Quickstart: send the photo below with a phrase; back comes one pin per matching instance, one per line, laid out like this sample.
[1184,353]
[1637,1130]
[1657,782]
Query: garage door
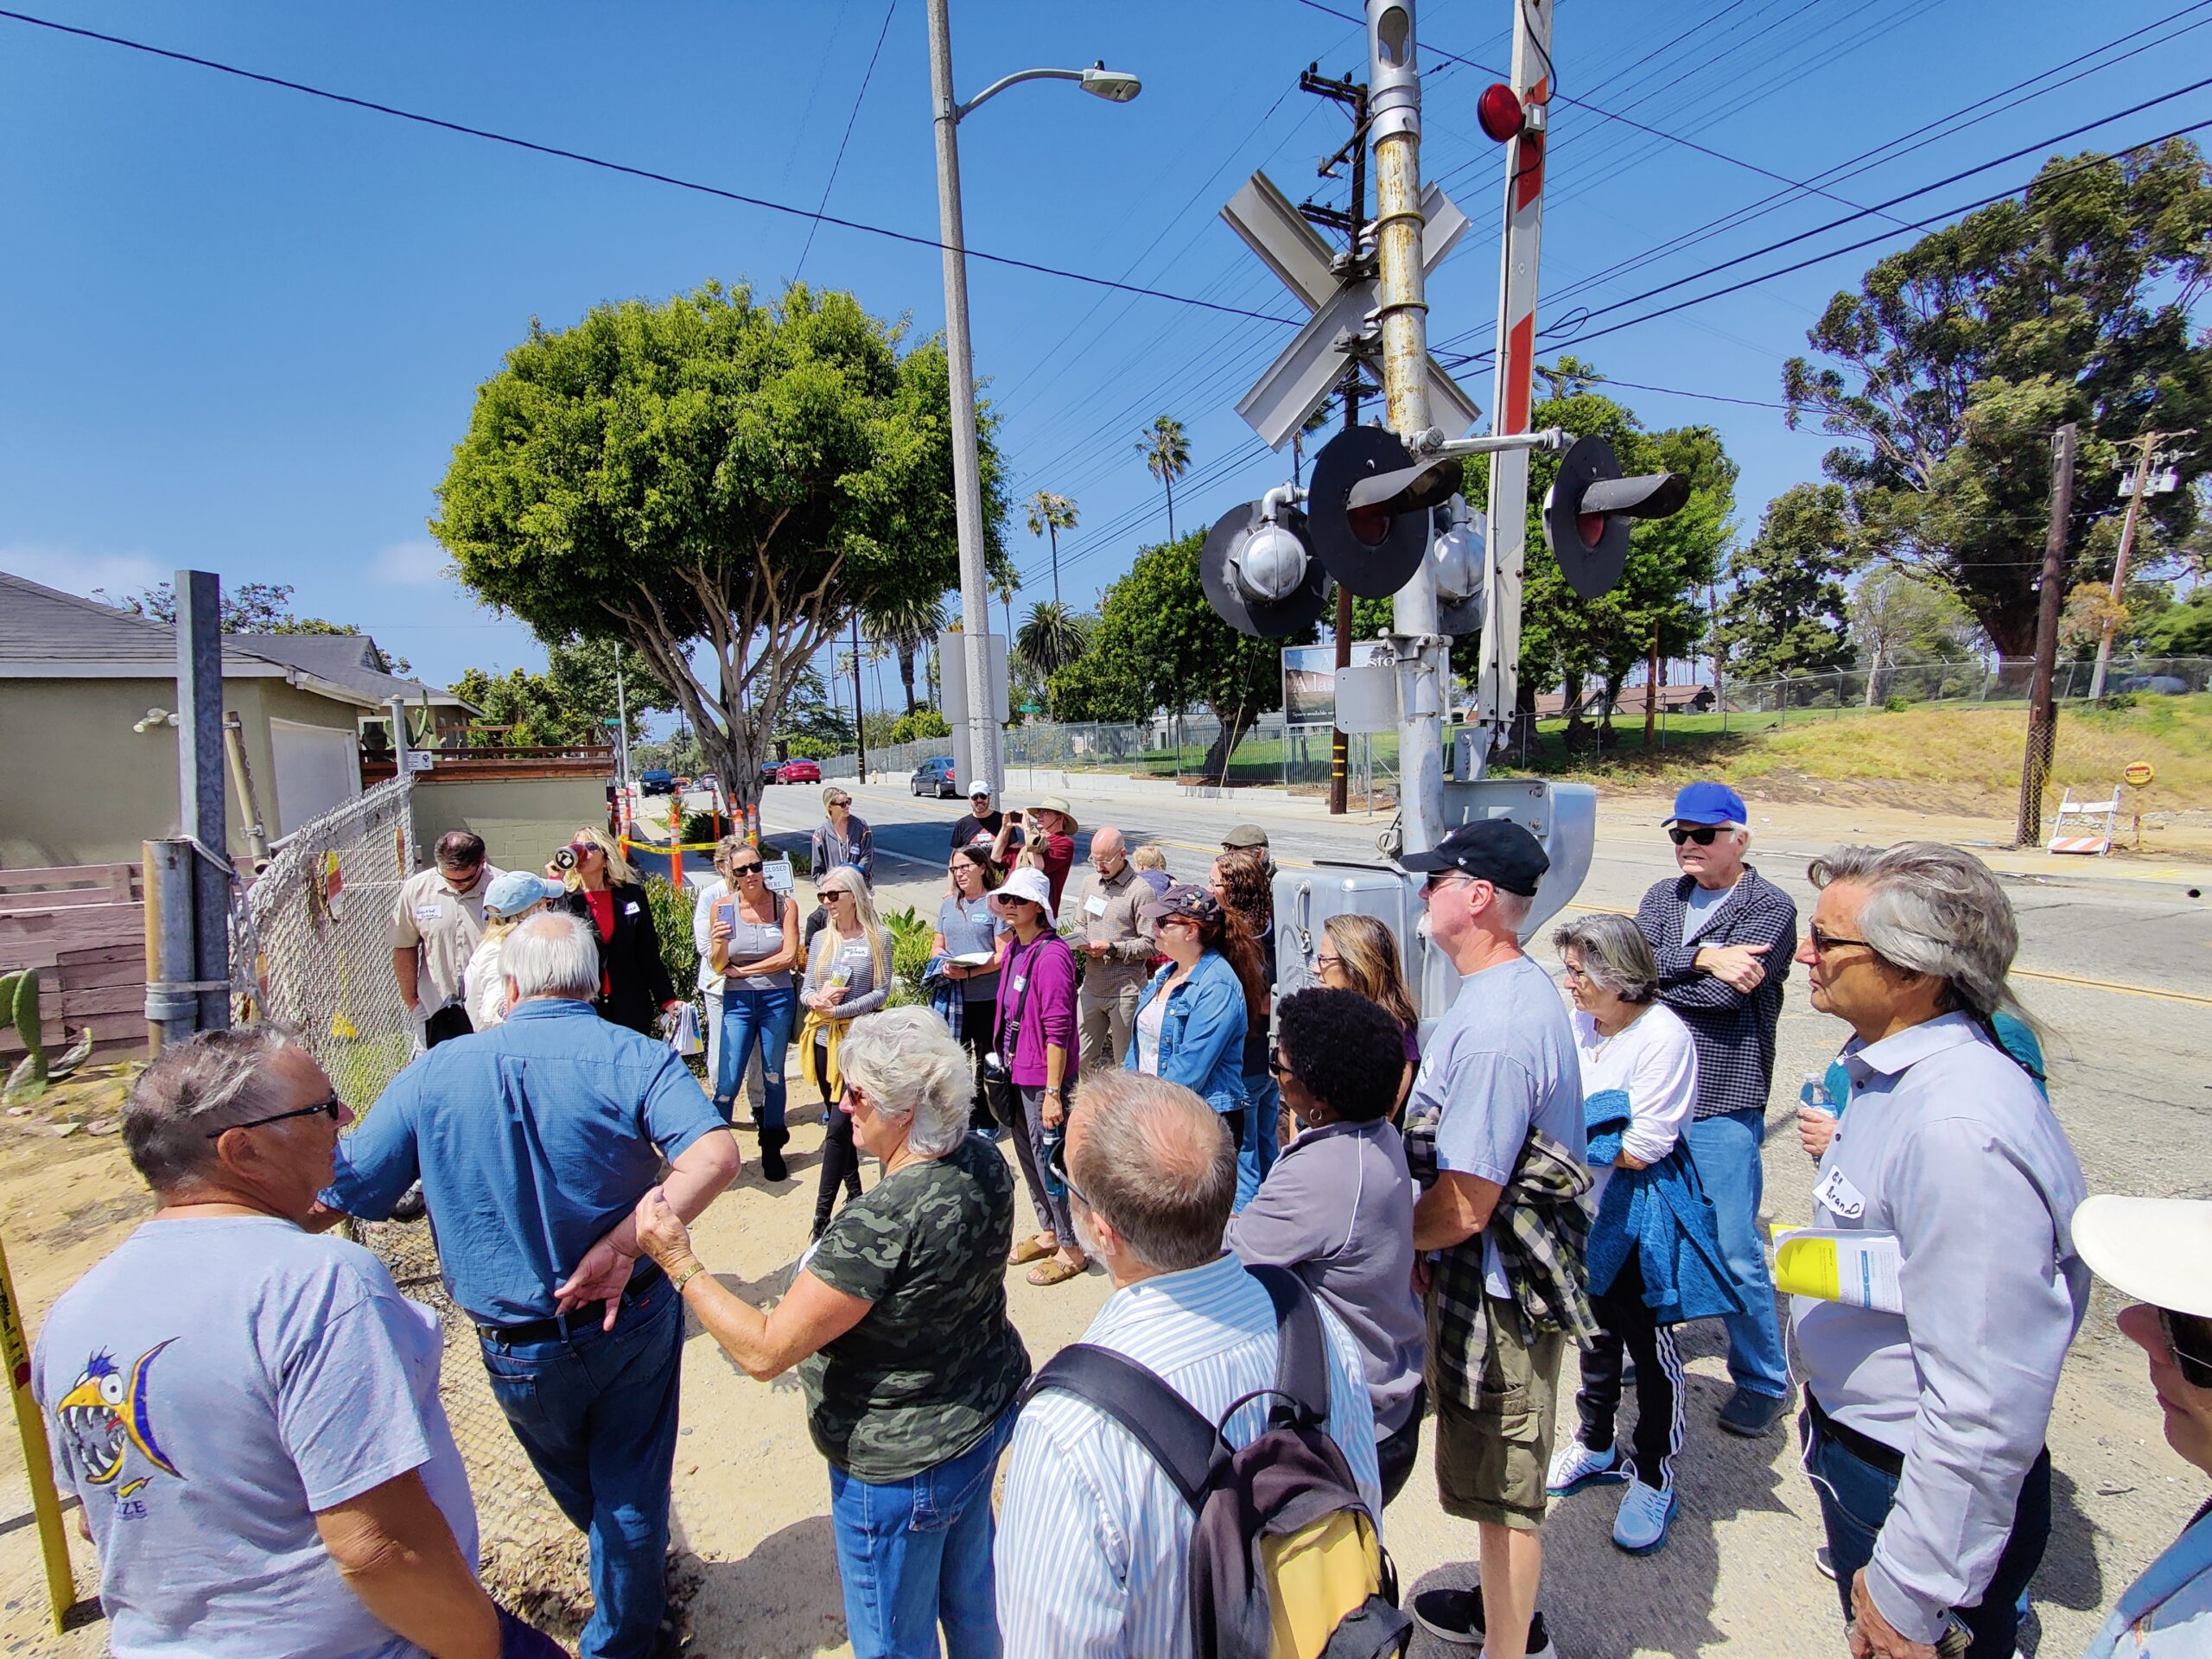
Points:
[317,767]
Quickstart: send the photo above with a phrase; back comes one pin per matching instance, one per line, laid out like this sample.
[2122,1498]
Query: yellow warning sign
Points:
[2139,772]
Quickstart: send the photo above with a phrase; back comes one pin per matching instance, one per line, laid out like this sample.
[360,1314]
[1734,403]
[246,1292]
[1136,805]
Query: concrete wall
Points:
[83,788]
[522,820]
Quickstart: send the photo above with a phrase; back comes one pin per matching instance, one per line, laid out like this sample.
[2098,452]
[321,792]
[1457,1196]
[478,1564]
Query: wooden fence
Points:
[83,927]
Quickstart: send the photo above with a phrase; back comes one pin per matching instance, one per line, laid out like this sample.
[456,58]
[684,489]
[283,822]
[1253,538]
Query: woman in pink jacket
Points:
[1036,1044]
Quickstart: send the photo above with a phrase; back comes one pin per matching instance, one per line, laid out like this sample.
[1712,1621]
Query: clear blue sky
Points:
[243,327]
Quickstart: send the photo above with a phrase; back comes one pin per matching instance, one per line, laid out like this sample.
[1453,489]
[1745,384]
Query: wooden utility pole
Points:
[2148,443]
[2043,712]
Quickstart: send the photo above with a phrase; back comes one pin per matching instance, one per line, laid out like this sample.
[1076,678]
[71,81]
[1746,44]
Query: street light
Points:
[984,753]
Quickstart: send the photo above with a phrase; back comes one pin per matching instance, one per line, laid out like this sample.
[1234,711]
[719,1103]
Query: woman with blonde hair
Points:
[1360,953]
[753,943]
[606,892]
[848,975]
[516,894]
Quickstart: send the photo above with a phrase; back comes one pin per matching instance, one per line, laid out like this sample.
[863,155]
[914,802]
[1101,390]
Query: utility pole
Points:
[860,712]
[1394,117]
[621,726]
[2043,713]
[2148,443]
[1353,221]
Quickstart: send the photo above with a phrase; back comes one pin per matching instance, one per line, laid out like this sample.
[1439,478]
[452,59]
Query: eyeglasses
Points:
[1824,943]
[329,1109]
[745,870]
[1056,1162]
[1702,835]
[836,893]
[841,801]
[1570,970]
[1276,1066]
[1443,878]
[1322,964]
[2194,1362]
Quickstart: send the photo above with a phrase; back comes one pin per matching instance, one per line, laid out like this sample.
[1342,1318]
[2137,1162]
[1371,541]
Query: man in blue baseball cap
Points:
[1724,936]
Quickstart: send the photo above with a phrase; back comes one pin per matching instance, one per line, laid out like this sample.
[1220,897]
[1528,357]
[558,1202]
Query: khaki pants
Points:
[1106,1016]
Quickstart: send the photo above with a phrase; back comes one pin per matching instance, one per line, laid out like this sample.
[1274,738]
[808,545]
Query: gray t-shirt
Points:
[210,1386]
[1700,907]
[750,941]
[969,926]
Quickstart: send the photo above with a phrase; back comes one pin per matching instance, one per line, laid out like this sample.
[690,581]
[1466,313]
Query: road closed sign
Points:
[2138,773]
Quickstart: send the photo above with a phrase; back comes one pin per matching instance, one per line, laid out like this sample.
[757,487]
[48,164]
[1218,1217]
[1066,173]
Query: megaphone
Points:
[1368,508]
[1588,509]
[1259,571]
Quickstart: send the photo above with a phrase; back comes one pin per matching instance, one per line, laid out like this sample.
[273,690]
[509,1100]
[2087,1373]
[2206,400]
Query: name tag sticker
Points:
[630,909]
[1097,905]
[1019,980]
[428,913]
[1840,1197]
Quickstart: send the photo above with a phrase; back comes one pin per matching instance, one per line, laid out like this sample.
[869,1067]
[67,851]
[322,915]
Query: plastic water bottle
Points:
[1815,1093]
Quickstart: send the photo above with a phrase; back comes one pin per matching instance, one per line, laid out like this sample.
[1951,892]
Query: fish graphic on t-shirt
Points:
[106,1413]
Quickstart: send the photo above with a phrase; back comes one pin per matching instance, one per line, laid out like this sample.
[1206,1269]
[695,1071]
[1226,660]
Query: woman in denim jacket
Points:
[1191,1022]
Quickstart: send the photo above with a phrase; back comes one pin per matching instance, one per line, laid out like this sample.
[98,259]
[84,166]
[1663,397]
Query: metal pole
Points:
[171,1016]
[1338,784]
[860,713]
[200,784]
[984,760]
[2148,440]
[2043,713]
[256,833]
[1394,103]
[621,728]
[1498,678]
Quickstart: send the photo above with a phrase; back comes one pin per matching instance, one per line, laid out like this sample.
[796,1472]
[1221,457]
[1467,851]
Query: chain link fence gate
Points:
[313,952]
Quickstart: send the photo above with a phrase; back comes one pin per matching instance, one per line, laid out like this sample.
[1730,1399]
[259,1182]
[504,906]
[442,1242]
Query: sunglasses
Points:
[1702,835]
[1443,878]
[1056,1162]
[745,870]
[1276,1066]
[329,1109]
[836,893]
[1824,943]
[2194,1361]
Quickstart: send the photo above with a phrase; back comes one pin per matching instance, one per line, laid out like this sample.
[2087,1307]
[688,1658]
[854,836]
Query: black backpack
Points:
[1286,1560]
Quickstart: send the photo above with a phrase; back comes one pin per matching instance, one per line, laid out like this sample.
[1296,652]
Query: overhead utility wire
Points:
[622,168]
[861,98]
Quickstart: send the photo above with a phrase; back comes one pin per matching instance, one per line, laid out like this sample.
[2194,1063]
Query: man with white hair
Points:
[1723,935]
[1118,949]
[534,1142]
[1094,1543]
[1925,1411]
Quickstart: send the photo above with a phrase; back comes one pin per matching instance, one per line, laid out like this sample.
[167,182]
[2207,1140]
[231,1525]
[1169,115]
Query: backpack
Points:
[1285,1560]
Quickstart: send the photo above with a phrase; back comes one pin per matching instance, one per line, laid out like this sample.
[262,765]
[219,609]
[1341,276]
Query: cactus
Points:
[28,1081]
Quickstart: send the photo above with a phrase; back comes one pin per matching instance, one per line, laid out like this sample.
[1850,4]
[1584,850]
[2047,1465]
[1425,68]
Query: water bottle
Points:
[1815,1095]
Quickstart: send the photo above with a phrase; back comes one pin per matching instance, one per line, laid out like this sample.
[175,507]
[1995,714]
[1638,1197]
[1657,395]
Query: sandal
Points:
[1057,1272]
[1030,1251]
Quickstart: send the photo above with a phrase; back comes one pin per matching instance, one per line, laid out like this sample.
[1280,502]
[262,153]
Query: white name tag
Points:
[630,909]
[1097,905]
[1019,980]
[1840,1197]
[428,913]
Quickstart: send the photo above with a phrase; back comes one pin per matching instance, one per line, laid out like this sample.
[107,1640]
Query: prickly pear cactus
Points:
[28,1081]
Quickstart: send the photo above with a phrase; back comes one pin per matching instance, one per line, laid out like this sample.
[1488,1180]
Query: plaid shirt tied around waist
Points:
[1539,1227]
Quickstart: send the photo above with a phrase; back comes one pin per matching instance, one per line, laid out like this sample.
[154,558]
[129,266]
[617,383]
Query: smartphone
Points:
[1013,816]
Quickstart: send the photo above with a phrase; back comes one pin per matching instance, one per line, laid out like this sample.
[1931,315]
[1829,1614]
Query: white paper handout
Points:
[1862,1269]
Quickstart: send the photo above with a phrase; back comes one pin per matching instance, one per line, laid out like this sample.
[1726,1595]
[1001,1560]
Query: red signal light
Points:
[1499,113]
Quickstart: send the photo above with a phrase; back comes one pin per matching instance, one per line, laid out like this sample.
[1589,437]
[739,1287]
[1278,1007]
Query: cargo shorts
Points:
[1492,1462]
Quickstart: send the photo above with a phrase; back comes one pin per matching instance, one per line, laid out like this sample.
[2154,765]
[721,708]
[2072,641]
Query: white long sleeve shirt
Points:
[1653,1062]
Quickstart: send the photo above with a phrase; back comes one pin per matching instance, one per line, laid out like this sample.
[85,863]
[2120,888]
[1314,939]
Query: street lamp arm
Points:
[1005,81]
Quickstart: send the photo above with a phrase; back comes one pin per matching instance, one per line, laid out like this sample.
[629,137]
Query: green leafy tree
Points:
[573,701]
[1785,609]
[813,726]
[1160,644]
[1052,636]
[2185,630]
[1050,514]
[1951,366]
[1167,454]
[718,483]
[1897,617]
[251,608]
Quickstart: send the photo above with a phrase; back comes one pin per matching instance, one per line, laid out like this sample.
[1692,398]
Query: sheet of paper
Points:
[1859,1268]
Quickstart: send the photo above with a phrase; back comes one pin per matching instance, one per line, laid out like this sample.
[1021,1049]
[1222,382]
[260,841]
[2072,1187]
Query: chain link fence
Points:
[316,929]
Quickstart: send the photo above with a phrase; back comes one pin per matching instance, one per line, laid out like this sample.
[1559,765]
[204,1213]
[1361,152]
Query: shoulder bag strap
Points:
[1163,1422]
[1302,1355]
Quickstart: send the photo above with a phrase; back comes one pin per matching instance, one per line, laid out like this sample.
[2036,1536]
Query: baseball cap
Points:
[1027,882]
[1496,850]
[980,792]
[1182,899]
[1245,834]
[1708,804]
[2154,1249]
[516,891]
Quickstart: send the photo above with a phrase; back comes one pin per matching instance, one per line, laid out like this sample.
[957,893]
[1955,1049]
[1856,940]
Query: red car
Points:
[800,771]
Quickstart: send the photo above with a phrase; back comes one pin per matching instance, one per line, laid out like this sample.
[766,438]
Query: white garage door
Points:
[317,767]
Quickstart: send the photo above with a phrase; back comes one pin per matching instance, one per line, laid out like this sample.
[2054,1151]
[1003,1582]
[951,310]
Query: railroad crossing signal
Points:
[1588,509]
[1342,298]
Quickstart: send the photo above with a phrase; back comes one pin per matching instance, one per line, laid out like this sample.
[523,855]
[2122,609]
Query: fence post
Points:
[171,1016]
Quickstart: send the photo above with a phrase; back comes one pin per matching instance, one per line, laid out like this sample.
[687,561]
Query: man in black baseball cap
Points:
[1500,1091]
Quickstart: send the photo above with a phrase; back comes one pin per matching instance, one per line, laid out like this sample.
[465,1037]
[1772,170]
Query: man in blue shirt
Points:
[534,1142]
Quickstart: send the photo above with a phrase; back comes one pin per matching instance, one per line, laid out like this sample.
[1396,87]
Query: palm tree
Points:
[1050,514]
[906,623]
[1053,637]
[1166,456]
[1008,587]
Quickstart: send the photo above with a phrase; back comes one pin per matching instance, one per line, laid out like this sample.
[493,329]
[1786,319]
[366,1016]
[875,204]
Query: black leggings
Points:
[841,1159]
[976,1024]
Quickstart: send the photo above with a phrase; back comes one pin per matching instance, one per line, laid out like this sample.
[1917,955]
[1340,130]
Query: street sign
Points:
[1342,327]
[2138,773]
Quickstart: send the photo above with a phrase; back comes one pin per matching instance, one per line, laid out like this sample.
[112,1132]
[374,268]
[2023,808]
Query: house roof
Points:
[48,634]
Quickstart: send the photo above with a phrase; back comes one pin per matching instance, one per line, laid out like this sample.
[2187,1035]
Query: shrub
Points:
[1896,702]
[911,934]
[672,922]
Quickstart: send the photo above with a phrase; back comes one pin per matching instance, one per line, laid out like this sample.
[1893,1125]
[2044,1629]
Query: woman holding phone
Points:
[848,975]
[754,944]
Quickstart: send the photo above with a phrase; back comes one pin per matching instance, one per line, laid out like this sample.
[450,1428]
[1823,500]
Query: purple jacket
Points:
[1037,986]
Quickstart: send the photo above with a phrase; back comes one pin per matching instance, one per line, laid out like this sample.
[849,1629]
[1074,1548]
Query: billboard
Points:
[1309,680]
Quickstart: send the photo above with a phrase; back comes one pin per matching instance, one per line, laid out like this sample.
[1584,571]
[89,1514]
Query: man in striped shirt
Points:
[1094,1541]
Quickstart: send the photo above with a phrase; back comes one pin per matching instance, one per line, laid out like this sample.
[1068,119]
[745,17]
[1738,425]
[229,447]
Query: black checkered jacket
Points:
[1734,1033]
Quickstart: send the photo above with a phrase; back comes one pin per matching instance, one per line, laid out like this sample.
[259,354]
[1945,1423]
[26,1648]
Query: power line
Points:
[623,168]
[866,75]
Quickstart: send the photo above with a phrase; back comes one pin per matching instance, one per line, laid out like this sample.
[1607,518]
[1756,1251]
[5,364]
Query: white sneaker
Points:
[1574,1465]
[1646,1511]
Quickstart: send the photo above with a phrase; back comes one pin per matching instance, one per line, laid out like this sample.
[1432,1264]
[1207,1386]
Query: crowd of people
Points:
[1325,1221]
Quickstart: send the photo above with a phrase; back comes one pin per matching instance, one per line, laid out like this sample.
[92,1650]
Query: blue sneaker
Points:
[1574,1465]
[1646,1513]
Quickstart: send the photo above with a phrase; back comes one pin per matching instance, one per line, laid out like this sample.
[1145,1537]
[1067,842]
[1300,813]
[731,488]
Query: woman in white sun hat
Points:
[2159,1252]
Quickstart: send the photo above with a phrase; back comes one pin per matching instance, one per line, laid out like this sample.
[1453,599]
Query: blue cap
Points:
[516,891]
[1708,803]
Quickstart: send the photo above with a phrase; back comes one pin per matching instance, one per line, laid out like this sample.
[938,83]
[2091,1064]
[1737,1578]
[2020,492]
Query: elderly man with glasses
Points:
[1925,1408]
[238,1428]
[534,1142]
[1722,934]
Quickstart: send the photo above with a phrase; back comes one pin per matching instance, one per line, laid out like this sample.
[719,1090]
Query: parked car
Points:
[2164,685]
[935,778]
[657,783]
[797,771]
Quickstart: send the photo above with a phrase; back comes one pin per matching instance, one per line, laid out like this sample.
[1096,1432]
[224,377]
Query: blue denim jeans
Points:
[750,1017]
[916,1552]
[1257,1147]
[596,1412]
[1725,1148]
[1855,1498]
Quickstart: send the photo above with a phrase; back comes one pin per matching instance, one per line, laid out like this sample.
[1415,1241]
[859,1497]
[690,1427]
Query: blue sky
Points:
[243,327]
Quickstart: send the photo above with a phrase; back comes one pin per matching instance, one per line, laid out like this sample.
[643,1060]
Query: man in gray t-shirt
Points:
[249,1413]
